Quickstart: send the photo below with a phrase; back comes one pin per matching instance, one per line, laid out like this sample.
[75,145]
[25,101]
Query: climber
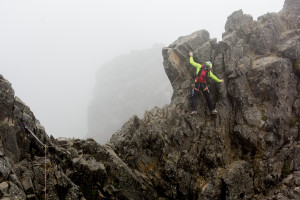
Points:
[200,84]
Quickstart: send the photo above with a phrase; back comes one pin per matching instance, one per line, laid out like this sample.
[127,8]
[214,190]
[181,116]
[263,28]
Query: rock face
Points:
[127,86]
[250,150]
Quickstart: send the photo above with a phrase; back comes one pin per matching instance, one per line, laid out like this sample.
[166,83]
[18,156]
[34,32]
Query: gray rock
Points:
[31,197]
[291,6]
[297,178]
[193,41]
[297,158]
[238,181]
[5,168]
[14,178]
[247,137]
[239,22]
[3,189]
[253,117]
[10,145]
[288,181]
[243,66]
[74,153]
[265,36]
[27,185]
[15,192]
[6,96]
[290,46]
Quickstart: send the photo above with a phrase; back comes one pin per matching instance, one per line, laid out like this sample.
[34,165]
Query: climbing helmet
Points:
[209,64]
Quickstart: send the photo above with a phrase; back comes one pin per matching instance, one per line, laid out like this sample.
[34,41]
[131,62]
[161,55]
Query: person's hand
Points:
[191,54]
[222,81]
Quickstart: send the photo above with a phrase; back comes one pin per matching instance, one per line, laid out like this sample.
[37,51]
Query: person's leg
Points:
[194,99]
[208,100]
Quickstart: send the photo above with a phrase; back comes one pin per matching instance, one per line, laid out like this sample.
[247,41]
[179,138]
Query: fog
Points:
[51,50]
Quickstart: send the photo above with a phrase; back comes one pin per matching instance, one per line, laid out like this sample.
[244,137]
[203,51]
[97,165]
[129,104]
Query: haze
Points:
[51,50]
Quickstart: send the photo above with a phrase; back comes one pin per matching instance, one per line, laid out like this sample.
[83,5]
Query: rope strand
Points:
[45,173]
[182,73]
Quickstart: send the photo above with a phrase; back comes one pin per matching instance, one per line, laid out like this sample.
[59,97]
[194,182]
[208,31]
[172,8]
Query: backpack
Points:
[203,73]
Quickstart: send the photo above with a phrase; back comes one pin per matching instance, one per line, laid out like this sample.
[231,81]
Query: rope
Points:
[45,146]
[45,173]
[45,164]
[35,137]
[182,73]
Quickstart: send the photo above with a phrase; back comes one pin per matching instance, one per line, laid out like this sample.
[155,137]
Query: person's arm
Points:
[211,75]
[197,65]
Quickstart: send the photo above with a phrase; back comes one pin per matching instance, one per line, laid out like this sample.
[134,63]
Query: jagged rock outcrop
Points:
[126,86]
[21,156]
[250,150]
[72,169]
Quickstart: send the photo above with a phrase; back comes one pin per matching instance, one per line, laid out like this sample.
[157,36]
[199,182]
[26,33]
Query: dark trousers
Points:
[201,88]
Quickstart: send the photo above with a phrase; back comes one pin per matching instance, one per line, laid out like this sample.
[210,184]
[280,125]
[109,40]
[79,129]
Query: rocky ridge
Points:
[250,150]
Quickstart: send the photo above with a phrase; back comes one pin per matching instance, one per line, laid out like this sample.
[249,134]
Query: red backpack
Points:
[203,73]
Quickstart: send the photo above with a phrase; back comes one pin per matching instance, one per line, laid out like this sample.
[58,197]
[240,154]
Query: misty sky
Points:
[51,50]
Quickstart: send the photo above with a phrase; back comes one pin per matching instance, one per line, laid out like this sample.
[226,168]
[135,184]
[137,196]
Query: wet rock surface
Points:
[250,150]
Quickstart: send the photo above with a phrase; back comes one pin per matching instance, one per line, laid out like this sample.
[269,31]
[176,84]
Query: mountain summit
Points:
[250,150]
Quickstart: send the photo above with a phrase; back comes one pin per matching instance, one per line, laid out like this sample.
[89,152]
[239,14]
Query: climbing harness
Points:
[201,90]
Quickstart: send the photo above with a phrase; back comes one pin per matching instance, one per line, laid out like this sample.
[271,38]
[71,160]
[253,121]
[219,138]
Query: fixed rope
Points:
[45,173]
[45,152]
[182,73]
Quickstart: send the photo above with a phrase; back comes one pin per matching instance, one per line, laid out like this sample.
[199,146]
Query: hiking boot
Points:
[214,112]
[194,112]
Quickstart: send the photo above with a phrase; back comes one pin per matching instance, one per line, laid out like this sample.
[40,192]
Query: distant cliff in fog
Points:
[128,85]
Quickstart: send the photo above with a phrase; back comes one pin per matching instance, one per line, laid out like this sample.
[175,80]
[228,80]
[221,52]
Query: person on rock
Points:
[203,71]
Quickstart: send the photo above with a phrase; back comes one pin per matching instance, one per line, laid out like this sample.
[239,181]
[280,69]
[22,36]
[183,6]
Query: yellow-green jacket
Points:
[198,66]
